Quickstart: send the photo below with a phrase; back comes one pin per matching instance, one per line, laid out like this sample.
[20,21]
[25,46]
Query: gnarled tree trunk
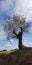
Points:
[19,36]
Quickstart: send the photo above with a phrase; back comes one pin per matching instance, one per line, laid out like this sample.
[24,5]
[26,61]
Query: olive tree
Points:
[15,28]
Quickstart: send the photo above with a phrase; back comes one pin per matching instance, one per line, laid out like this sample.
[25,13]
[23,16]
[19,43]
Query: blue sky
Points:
[10,7]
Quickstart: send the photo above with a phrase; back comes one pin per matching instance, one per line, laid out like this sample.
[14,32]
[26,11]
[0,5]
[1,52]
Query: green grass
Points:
[16,57]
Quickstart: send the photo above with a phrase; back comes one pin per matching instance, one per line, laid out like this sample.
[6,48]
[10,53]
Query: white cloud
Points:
[5,4]
[27,42]
[8,44]
[24,7]
[2,33]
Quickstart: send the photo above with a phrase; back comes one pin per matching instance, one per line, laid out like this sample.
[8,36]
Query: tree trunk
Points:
[20,44]
[20,39]
[19,36]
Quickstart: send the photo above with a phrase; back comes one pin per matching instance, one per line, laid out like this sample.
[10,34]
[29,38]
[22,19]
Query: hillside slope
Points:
[16,57]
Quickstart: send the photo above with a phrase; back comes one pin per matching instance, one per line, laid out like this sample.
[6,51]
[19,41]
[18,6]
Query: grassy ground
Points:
[16,57]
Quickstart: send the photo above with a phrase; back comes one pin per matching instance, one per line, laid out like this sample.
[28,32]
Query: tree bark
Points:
[19,36]
[20,40]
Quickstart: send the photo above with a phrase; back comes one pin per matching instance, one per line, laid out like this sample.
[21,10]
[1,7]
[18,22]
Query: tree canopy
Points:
[15,25]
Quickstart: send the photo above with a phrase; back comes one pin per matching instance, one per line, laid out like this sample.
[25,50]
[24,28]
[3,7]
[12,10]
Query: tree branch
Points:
[14,33]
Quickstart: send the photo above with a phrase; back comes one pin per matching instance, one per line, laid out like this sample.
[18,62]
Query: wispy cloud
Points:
[27,43]
[8,45]
[24,7]
[2,33]
[5,4]
[8,6]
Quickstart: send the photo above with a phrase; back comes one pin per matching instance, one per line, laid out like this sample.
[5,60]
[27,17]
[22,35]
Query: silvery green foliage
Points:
[15,24]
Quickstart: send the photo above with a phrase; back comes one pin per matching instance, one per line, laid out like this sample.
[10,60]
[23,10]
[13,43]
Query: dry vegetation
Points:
[16,57]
